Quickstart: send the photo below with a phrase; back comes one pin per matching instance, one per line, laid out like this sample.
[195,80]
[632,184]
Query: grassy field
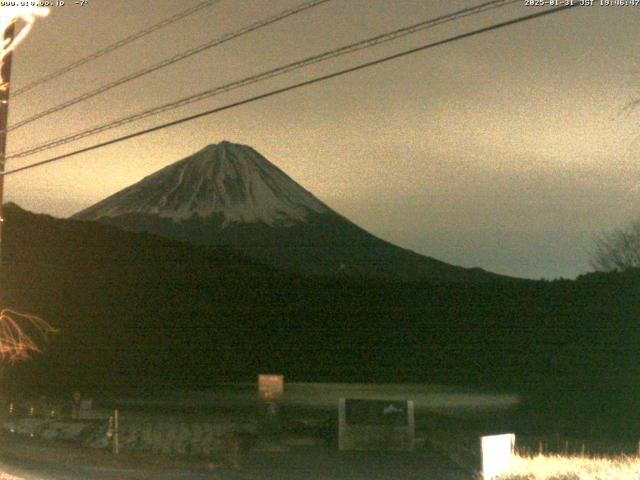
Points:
[325,396]
[556,467]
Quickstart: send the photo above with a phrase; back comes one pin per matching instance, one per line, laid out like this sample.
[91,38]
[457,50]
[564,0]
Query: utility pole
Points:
[5,72]
[4,116]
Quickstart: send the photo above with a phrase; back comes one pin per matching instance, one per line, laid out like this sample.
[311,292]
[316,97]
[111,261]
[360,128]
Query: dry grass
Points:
[556,467]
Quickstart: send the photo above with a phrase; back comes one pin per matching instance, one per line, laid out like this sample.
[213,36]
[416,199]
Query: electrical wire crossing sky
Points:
[509,150]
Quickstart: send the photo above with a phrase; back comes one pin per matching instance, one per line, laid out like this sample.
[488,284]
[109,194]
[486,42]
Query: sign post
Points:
[270,389]
[116,427]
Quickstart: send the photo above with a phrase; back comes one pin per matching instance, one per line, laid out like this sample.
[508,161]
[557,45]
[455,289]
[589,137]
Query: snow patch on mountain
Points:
[227,179]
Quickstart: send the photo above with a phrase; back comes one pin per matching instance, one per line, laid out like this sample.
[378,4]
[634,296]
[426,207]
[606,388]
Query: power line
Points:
[114,46]
[368,43]
[170,61]
[296,86]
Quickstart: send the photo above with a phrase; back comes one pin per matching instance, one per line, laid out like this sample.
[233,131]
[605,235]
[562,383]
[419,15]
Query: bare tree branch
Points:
[19,334]
[618,250]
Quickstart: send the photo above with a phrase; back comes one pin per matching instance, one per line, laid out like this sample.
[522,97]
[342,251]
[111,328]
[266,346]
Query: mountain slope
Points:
[232,181]
[229,194]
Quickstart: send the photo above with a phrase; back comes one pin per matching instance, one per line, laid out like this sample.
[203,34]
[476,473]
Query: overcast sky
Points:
[508,151]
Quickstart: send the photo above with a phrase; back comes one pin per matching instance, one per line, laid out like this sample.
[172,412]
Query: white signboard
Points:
[497,451]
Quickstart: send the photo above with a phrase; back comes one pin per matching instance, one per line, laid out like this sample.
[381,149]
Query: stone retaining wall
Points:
[157,436]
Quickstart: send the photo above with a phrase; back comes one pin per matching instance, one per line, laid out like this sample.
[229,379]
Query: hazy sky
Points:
[507,151]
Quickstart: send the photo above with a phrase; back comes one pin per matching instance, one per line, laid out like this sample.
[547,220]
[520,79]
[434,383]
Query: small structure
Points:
[376,424]
[497,452]
[270,387]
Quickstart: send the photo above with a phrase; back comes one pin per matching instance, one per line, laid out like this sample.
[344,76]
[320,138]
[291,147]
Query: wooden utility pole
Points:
[5,70]
[4,116]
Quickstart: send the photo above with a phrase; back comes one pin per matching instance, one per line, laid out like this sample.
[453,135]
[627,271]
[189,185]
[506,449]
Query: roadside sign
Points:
[497,452]
[270,387]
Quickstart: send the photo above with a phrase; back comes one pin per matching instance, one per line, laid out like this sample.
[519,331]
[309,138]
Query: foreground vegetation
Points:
[556,467]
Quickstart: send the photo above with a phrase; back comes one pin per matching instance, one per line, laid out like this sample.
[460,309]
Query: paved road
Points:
[306,464]
[329,464]
[16,469]
[109,474]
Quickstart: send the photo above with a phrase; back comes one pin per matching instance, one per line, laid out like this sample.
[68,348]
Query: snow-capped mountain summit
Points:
[226,179]
[229,194]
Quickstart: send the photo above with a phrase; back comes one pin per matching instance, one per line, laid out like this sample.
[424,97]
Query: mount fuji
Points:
[229,194]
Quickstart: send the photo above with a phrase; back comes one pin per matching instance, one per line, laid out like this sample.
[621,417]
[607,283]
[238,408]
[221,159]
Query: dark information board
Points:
[377,412]
[376,424]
